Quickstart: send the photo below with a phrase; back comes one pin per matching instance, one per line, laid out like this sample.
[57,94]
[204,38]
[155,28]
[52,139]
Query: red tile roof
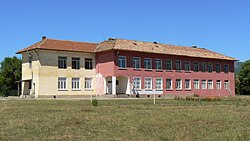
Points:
[63,45]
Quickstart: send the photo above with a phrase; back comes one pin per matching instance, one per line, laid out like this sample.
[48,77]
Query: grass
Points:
[228,119]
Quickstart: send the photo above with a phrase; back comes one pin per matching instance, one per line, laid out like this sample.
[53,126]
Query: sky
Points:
[219,25]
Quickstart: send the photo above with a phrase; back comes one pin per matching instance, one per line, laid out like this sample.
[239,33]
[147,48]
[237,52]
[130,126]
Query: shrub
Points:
[95,102]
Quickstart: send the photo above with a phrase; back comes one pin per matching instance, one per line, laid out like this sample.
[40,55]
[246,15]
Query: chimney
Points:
[43,38]
[194,46]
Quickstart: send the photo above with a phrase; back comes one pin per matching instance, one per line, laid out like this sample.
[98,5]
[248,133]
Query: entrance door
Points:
[109,86]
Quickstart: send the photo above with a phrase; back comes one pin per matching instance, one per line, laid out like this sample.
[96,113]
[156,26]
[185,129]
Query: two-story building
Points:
[117,66]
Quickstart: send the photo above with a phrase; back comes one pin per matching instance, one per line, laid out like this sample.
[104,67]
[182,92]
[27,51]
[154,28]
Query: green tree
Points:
[243,83]
[10,73]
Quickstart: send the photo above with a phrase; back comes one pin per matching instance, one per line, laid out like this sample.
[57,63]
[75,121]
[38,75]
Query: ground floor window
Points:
[210,84]
[76,84]
[178,84]
[203,84]
[158,83]
[196,84]
[226,84]
[218,84]
[62,83]
[88,83]
[148,83]
[169,84]
[187,84]
[137,83]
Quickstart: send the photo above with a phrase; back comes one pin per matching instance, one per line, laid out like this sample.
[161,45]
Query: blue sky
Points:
[219,25]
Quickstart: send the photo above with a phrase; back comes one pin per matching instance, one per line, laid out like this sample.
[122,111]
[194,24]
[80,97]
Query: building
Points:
[116,66]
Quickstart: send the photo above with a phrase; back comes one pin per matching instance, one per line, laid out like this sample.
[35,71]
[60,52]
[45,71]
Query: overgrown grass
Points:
[228,119]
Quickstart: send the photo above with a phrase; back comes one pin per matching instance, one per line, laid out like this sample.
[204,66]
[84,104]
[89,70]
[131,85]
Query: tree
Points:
[10,73]
[243,83]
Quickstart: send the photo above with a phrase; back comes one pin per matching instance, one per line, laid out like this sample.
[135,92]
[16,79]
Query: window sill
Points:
[169,70]
[148,69]
[159,70]
[187,89]
[178,71]
[169,89]
[62,90]
[137,89]
[159,90]
[76,89]
[187,71]
[149,90]
[122,68]
[178,89]
[136,69]
[89,89]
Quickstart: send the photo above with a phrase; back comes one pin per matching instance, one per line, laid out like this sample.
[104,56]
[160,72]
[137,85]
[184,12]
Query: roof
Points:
[154,47]
[62,45]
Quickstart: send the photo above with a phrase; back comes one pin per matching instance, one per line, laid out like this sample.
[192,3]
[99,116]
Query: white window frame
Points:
[226,84]
[178,62]
[150,82]
[136,61]
[88,81]
[187,66]
[177,86]
[210,84]
[148,61]
[196,84]
[171,84]
[158,64]
[134,83]
[122,62]
[62,83]
[167,63]
[218,84]
[203,85]
[189,82]
[159,86]
[76,83]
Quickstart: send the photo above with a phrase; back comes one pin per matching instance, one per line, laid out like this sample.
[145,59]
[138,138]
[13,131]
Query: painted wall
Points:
[113,70]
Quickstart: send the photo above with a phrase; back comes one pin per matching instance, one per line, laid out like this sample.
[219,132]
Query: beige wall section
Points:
[46,73]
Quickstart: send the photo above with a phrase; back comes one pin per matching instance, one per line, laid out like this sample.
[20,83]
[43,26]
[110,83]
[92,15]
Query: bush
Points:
[95,102]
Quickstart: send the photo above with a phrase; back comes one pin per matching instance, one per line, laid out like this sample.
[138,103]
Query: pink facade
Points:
[107,66]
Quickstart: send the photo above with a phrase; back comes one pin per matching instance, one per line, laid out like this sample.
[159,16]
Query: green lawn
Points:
[125,120]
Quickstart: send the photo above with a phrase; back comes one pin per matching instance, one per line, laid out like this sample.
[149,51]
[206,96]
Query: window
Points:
[187,84]
[203,66]
[136,62]
[88,83]
[122,62]
[62,62]
[178,84]
[75,83]
[210,67]
[62,83]
[30,61]
[148,84]
[196,67]
[210,84]
[226,68]
[196,84]
[187,66]
[148,63]
[169,84]
[226,84]
[203,84]
[158,63]
[137,83]
[169,65]
[75,63]
[217,67]
[177,65]
[158,83]
[88,63]
[218,84]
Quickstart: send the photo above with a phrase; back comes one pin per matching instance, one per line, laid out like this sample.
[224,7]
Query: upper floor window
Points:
[148,83]
[178,84]
[187,66]
[122,62]
[203,66]
[158,63]
[210,67]
[88,63]
[218,67]
[137,83]
[158,84]
[196,67]
[169,84]
[148,63]
[62,62]
[30,61]
[136,62]
[75,63]
[62,83]
[169,65]
[226,68]
[178,65]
